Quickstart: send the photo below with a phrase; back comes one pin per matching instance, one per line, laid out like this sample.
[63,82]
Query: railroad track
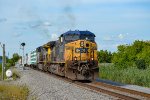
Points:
[134,92]
[121,94]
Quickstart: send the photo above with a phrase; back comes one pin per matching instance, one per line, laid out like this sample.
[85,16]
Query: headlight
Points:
[75,58]
[82,43]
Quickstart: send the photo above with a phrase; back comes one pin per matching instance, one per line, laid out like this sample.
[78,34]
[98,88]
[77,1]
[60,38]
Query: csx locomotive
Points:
[73,55]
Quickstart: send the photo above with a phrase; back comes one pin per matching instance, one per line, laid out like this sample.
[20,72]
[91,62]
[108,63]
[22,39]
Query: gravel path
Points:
[45,87]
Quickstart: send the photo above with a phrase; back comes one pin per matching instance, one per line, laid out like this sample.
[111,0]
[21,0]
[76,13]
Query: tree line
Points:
[10,61]
[136,54]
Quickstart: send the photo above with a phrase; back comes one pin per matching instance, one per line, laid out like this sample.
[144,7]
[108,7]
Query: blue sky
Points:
[36,22]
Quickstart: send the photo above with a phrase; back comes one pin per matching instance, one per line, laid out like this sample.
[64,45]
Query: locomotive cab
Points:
[81,55]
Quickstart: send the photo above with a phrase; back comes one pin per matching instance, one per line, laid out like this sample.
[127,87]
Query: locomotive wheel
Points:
[45,68]
[69,74]
[40,66]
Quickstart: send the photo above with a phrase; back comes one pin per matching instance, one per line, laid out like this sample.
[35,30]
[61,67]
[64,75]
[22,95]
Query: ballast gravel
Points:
[45,87]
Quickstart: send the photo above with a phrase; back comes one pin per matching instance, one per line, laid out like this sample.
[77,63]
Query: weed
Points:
[13,92]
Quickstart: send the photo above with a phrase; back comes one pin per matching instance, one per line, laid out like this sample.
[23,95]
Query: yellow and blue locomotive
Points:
[73,55]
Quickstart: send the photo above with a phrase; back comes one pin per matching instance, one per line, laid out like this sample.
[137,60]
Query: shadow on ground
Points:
[110,82]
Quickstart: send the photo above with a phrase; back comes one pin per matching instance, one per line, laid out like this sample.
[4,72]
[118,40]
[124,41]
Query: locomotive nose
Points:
[83,51]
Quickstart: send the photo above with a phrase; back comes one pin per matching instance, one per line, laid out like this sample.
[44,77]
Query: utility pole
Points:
[3,63]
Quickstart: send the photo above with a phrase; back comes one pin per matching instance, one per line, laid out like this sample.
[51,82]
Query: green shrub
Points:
[141,64]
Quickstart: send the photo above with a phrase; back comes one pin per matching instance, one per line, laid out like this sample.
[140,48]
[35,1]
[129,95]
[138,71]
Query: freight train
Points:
[73,55]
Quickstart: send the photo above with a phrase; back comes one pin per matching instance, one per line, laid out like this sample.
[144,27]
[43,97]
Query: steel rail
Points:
[107,91]
[134,92]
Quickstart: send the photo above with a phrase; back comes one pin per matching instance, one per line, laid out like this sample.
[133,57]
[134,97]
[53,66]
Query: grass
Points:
[13,92]
[0,70]
[130,75]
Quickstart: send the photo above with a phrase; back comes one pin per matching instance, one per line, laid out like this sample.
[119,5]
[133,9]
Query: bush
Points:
[141,64]
[131,75]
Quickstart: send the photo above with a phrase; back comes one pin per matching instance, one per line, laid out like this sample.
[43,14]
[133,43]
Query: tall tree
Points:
[16,57]
[128,55]
[104,56]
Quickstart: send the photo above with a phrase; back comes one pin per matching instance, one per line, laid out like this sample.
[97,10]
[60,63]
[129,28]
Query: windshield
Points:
[87,37]
[71,37]
[82,37]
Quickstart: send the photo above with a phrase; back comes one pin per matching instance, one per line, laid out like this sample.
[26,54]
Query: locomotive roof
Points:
[39,47]
[51,43]
[78,33]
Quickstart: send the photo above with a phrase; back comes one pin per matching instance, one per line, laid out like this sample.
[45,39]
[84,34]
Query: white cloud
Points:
[107,38]
[116,45]
[117,38]
[110,47]
[46,24]
[16,34]
[121,36]
[54,36]
[40,23]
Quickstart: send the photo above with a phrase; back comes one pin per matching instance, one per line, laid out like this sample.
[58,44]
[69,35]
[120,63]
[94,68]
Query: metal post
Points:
[3,64]
[23,57]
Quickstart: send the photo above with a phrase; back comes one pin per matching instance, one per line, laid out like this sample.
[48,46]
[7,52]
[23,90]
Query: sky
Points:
[36,22]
